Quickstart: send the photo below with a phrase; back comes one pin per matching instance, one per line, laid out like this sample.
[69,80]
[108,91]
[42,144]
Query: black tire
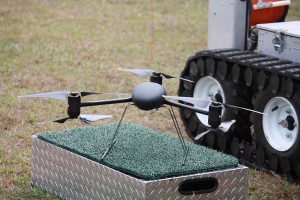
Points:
[234,94]
[287,161]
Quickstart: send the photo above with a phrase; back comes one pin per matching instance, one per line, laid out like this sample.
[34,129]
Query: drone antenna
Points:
[152,32]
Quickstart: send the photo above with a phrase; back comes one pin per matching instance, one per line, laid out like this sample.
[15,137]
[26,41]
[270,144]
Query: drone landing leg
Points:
[113,139]
[185,149]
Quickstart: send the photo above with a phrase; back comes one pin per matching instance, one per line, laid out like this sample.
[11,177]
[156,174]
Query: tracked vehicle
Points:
[252,61]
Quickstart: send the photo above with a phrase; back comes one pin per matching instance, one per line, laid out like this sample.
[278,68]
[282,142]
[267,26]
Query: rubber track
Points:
[249,154]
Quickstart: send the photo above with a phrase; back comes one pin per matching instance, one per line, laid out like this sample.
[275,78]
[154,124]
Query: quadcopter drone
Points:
[146,96]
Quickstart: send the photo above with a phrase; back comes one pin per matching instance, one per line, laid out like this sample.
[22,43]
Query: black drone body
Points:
[148,96]
[145,96]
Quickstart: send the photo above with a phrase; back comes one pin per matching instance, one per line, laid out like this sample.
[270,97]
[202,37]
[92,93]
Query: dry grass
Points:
[75,45]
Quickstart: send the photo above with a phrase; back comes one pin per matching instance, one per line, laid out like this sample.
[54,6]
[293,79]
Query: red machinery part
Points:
[267,15]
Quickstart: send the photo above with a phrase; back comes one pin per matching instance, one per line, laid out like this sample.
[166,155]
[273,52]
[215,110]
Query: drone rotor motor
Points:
[156,78]
[74,100]
[214,117]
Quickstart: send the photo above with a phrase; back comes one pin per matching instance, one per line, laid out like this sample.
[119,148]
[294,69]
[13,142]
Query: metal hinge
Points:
[278,41]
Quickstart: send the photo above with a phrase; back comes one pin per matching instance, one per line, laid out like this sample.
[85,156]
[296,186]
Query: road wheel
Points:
[209,83]
[277,132]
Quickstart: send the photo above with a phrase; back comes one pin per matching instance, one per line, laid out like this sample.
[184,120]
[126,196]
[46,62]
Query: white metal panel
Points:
[227,24]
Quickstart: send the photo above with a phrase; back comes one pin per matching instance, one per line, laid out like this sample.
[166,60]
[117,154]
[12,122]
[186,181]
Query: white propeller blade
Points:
[42,123]
[87,119]
[184,79]
[225,126]
[148,72]
[91,118]
[199,136]
[141,72]
[201,103]
[60,95]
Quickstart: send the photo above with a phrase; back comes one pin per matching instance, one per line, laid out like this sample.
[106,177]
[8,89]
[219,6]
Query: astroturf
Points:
[139,151]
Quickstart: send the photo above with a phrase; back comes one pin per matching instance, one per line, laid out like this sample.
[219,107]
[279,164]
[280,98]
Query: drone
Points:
[146,96]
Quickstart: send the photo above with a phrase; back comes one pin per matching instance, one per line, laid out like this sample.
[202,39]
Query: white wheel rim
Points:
[206,88]
[274,124]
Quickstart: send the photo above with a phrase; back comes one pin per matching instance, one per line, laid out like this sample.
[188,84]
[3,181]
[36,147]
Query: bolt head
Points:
[288,111]
[288,135]
[210,94]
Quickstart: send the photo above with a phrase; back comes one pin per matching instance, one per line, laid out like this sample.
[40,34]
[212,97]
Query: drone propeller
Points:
[62,95]
[145,73]
[199,136]
[224,128]
[204,103]
[86,119]
[60,121]
[201,103]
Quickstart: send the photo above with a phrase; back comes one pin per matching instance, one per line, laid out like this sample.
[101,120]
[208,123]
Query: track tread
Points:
[273,72]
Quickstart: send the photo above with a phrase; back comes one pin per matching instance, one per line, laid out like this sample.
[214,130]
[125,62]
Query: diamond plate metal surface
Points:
[71,176]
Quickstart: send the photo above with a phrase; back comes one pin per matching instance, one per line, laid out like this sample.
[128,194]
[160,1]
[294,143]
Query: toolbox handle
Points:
[263,5]
[198,186]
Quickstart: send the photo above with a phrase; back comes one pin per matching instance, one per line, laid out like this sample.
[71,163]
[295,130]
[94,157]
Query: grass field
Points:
[79,45]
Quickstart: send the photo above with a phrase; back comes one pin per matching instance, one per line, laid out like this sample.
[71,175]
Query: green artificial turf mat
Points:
[139,151]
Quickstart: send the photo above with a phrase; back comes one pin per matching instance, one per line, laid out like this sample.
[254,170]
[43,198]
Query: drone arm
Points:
[179,105]
[105,102]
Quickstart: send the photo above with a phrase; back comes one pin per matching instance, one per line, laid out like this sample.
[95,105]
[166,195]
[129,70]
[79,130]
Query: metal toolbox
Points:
[280,40]
[71,176]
